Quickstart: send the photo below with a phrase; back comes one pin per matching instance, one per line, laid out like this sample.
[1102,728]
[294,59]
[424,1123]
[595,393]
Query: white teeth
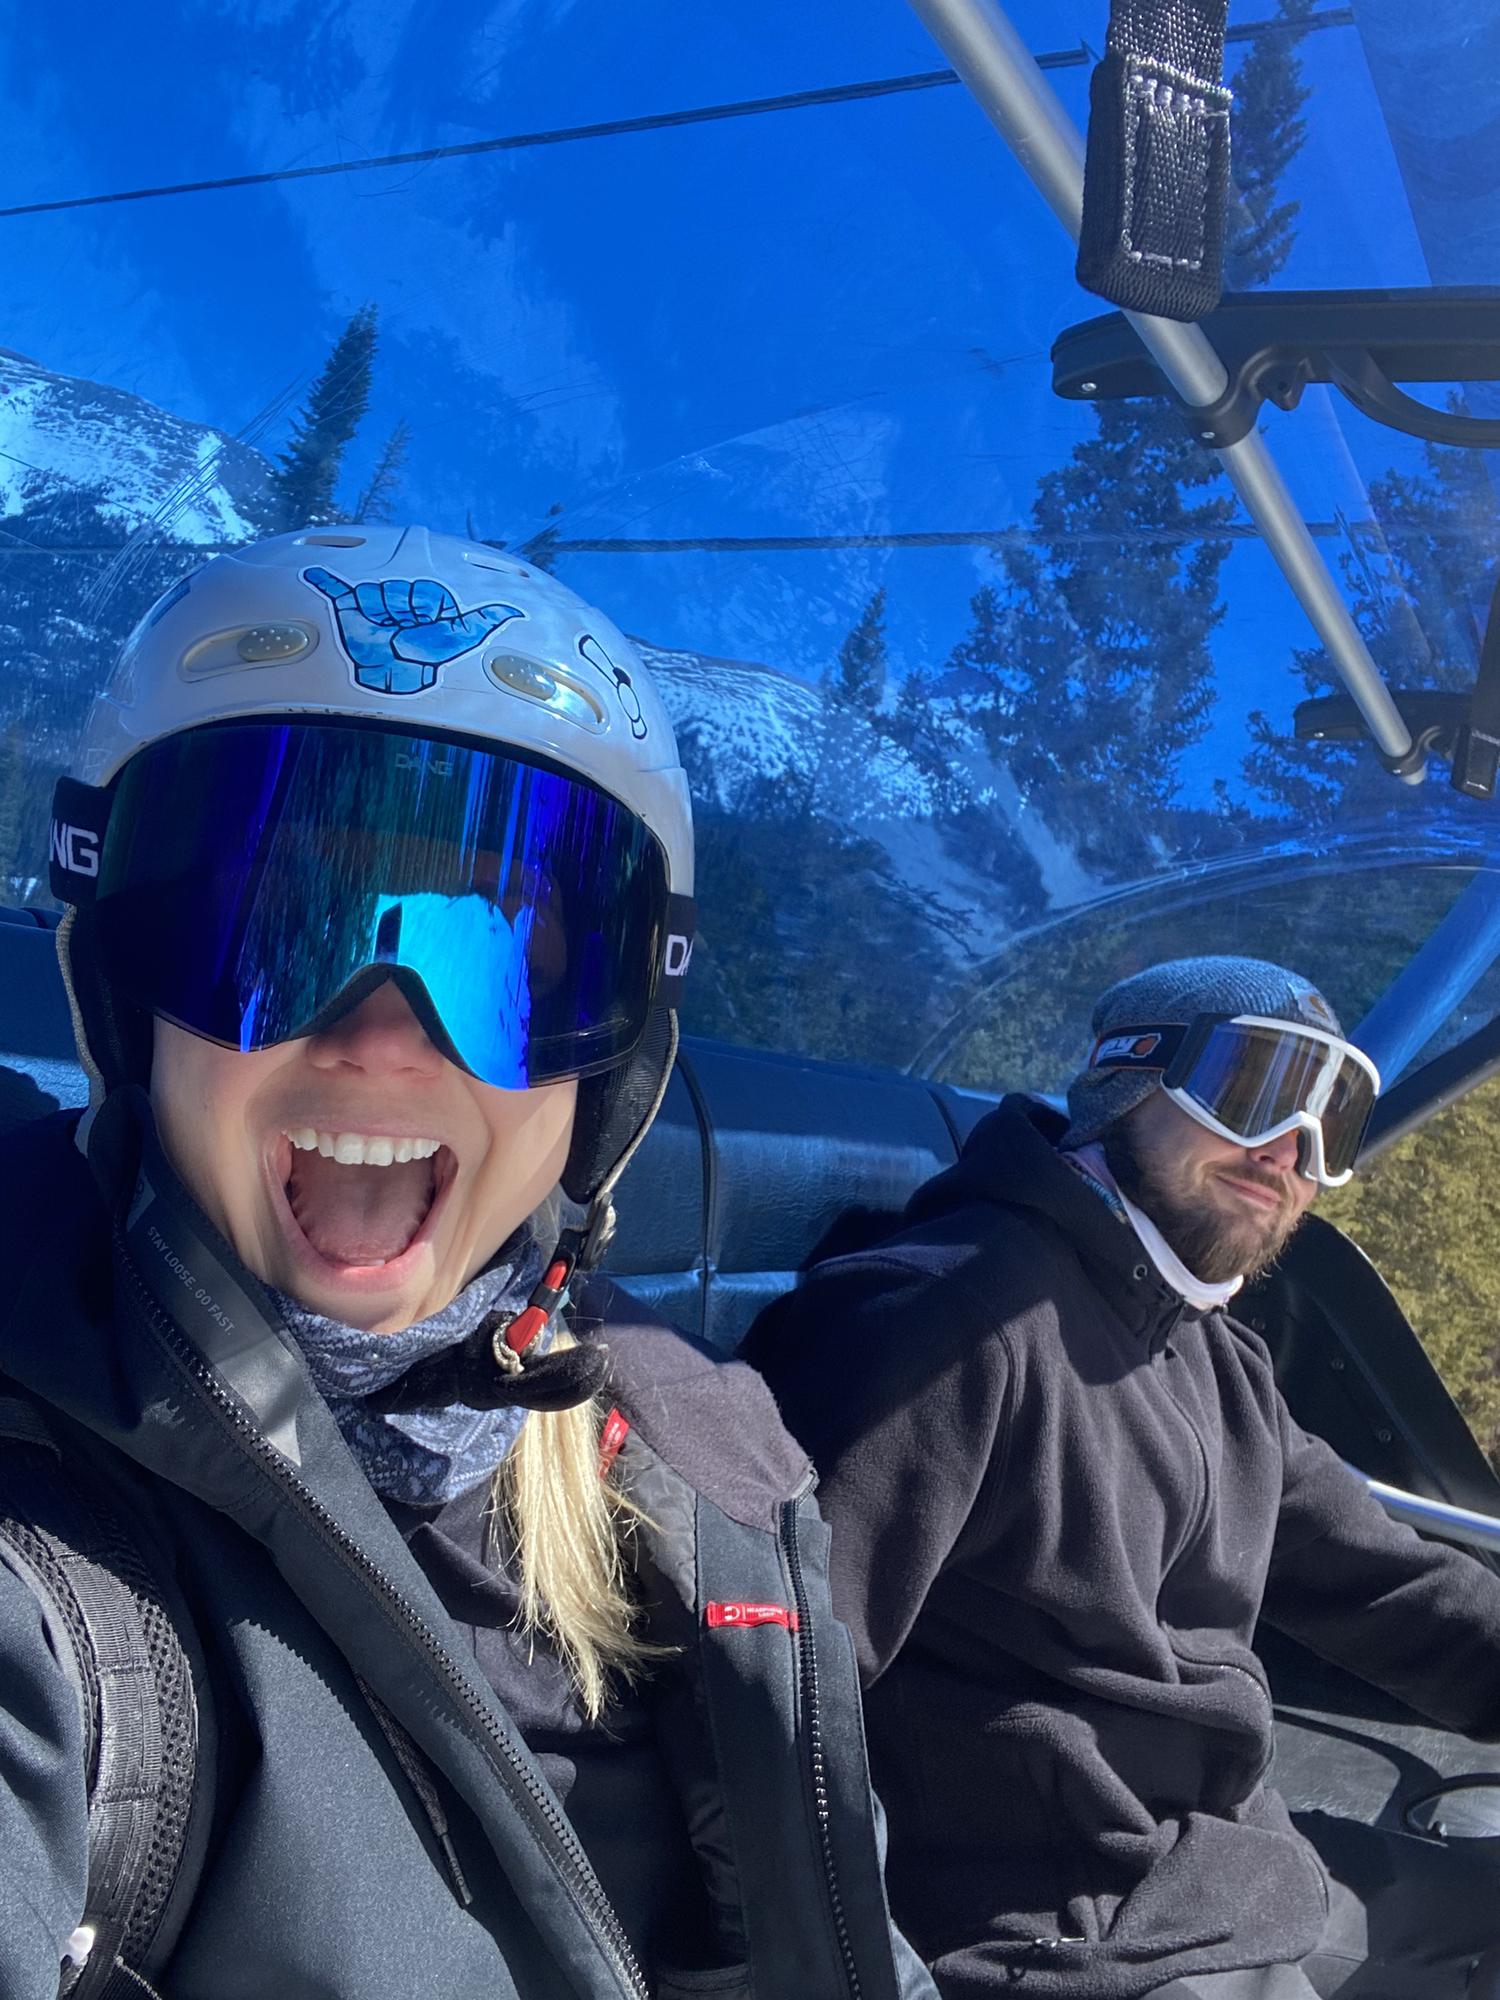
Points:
[358,1149]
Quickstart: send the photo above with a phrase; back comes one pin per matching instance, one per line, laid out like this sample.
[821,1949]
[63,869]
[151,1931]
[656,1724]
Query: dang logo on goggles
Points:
[399,634]
[75,848]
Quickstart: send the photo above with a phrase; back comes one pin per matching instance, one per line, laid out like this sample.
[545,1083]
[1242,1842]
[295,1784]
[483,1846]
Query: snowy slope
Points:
[739,723]
[140,464]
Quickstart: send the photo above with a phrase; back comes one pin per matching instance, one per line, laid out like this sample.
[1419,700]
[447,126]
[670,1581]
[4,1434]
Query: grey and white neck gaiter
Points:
[422,1457]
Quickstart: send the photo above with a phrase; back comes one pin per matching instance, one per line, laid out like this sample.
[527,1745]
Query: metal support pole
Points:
[1441,975]
[1002,75]
[1437,1517]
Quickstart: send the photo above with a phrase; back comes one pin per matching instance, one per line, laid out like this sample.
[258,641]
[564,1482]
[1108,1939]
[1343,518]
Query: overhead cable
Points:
[618,128]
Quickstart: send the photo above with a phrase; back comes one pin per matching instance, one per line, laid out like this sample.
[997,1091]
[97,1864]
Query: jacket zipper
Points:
[1194,1530]
[556,1837]
[808,1661]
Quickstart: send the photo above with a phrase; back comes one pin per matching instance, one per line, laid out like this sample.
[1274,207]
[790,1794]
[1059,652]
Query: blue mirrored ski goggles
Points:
[252,881]
[1251,1078]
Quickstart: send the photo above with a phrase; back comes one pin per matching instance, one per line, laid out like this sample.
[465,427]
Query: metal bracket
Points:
[1434,717]
[1273,344]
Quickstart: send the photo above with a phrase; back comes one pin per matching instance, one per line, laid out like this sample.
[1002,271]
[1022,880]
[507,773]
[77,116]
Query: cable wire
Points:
[616,128]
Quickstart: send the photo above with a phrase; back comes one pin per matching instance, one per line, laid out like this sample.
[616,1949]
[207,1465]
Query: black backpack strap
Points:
[118,1634]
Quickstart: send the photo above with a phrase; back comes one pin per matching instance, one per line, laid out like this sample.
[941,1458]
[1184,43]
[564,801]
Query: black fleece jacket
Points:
[1060,1500]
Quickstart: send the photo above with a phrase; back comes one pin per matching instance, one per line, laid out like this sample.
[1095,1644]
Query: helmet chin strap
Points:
[580,1249]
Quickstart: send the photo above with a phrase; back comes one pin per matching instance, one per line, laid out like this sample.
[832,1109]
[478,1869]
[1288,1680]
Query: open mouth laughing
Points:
[357,1208]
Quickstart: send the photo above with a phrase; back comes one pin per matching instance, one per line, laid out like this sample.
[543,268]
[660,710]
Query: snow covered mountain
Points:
[139,465]
[740,724]
[760,745]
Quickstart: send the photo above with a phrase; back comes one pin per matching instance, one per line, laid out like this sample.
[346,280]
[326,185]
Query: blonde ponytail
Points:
[569,1528]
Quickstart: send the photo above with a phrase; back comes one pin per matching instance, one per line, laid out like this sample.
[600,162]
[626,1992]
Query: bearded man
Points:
[1064,1488]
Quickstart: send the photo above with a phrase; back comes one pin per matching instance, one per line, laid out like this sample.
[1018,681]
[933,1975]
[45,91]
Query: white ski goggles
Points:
[1251,1078]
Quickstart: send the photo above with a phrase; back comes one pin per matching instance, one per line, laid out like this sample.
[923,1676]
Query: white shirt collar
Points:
[1206,1298]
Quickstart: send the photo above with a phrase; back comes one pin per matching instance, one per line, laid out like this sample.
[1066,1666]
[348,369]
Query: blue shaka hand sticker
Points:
[399,633]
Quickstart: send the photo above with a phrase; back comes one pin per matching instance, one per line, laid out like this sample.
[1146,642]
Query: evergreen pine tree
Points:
[1419,599]
[375,503]
[1111,603]
[1268,132]
[13,788]
[860,679]
[1092,665]
[306,475]
[982,670]
[925,724]
[1084,674]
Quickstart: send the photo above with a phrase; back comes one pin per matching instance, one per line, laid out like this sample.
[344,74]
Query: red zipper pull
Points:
[716,1616]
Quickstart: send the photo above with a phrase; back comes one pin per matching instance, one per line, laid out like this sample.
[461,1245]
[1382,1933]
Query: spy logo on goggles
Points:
[399,633]
[1122,1050]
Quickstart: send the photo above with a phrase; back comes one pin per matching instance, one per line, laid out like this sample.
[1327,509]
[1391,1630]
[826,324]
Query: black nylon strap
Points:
[1476,754]
[1156,179]
[677,950]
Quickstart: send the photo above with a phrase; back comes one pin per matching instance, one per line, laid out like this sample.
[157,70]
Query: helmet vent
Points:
[504,568]
[547,688]
[247,646]
[331,541]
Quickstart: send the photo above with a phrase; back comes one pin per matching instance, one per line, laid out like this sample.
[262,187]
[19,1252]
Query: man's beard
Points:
[1214,1244]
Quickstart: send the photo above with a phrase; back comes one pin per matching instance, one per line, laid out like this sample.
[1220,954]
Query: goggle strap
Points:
[80,814]
[677,949]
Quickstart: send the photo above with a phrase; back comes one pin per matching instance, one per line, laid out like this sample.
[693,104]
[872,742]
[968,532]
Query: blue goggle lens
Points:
[252,871]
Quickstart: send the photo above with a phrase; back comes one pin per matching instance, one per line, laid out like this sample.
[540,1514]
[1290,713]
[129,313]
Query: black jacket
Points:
[1060,1500]
[150,1345]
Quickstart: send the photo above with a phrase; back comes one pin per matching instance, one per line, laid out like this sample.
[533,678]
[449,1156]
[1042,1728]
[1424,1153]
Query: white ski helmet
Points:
[442,637]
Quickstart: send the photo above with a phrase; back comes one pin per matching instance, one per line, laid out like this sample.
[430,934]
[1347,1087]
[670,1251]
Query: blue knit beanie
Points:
[1176,992]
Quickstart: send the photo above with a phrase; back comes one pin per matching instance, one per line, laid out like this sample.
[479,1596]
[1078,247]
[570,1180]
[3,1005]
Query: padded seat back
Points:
[754,1159]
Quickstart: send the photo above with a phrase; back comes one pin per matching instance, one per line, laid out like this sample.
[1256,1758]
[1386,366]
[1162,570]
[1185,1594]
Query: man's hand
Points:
[400,632]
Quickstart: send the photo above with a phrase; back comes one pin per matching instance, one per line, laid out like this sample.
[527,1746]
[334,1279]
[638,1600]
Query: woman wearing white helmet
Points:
[509,1605]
